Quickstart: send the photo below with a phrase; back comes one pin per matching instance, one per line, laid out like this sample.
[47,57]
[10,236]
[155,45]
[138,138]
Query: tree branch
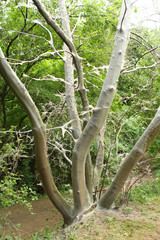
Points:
[39,133]
[139,68]
[77,60]
[152,131]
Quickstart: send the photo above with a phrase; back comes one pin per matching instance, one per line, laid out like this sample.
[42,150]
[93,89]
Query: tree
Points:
[85,174]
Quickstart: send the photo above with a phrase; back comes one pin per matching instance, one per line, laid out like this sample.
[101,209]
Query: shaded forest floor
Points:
[133,220]
[19,221]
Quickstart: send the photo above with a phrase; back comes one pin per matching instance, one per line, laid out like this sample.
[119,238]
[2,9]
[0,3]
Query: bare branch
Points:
[139,68]
[39,132]
[20,62]
[76,24]
[46,78]
[26,33]
[77,60]
[125,10]
[51,38]
[150,45]
[25,23]
[130,161]
[41,8]
[60,148]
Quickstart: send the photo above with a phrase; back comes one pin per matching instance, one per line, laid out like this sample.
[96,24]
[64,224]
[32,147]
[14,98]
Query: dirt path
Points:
[43,214]
[131,222]
[134,221]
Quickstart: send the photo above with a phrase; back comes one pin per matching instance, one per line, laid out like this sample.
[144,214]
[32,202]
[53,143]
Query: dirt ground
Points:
[21,222]
[134,221]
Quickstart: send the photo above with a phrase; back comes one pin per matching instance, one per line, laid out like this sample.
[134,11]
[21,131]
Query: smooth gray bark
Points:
[100,157]
[101,110]
[69,74]
[77,59]
[39,133]
[70,97]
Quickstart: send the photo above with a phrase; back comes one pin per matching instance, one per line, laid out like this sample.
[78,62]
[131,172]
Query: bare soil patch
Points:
[136,222]
[132,221]
[21,222]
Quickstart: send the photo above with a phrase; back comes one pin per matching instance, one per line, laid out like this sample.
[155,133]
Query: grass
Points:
[146,191]
[138,220]
[121,225]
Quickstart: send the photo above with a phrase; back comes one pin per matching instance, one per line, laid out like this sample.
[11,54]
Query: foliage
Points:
[12,187]
[147,207]
[147,190]
[11,238]
[10,194]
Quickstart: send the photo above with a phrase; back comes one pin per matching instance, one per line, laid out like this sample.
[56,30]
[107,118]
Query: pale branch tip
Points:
[123,15]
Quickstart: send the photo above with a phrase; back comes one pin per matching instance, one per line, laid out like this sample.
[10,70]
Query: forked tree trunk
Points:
[81,188]
[94,125]
[101,110]
[70,96]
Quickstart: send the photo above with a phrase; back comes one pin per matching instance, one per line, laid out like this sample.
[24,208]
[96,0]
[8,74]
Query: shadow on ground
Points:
[21,222]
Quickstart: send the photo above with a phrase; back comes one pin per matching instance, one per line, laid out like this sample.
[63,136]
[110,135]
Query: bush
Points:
[147,190]
[11,194]
[12,187]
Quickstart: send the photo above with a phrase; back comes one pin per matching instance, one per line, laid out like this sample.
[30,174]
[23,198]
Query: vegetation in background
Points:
[143,204]
[135,103]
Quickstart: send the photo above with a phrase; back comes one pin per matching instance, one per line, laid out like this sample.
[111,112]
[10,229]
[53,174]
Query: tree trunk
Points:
[69,74]
[101,110]
[100,157]
[71,103]
[130,161]
[39,137]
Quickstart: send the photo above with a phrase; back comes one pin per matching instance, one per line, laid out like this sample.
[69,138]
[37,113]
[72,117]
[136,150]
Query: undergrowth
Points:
[146,190]
[143,194]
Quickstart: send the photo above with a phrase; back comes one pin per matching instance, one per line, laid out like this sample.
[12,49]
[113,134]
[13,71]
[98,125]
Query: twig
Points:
[123,15]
